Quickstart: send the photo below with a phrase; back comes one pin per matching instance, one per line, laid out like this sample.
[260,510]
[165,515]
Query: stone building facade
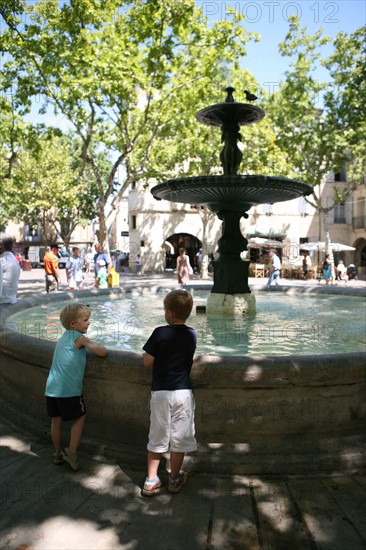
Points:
[157,229]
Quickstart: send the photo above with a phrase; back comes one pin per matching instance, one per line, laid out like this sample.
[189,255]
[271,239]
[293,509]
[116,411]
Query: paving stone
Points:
[329,526]
[280,525]
[234,522]
[350,498]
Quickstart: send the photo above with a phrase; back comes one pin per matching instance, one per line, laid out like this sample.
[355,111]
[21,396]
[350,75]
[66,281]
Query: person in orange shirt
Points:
[53,276]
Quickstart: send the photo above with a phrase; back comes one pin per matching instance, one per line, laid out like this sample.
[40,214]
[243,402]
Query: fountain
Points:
[230,196]
[255,414]
[259,414]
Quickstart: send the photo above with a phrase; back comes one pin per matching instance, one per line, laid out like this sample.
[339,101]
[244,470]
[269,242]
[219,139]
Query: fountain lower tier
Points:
[230,192]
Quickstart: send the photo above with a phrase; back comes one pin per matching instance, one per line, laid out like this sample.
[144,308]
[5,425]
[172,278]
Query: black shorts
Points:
[69,408]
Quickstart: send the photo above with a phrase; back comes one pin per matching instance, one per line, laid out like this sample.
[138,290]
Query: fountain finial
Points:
[231,155]
[229,98]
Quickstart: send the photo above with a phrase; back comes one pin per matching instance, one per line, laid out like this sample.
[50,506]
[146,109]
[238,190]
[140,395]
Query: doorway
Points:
[181,240]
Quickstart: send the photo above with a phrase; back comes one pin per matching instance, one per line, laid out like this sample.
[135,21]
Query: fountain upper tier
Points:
[225,113]
[230,191]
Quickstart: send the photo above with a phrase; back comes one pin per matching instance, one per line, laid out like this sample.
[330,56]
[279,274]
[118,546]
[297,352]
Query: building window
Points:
[304,207]
[341,175]
[267,209]
[359,219]
[32,232]
[133,222]
[340,213]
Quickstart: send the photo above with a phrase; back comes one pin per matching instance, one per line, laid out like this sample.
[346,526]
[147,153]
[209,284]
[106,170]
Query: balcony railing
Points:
[32,238]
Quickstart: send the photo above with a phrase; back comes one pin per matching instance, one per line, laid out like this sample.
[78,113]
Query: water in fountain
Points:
[277,328]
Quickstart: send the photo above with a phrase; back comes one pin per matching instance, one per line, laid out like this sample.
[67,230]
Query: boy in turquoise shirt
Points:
[64,386]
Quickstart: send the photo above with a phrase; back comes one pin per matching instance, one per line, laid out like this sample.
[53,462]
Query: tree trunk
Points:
[205,215]
[103,238]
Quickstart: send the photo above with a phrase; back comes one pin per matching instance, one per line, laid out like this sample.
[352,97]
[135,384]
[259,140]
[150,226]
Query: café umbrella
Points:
[323,246]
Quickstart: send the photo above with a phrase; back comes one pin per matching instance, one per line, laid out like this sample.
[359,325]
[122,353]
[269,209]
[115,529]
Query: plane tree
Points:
[16,135]
[319,124]
[125,76]
[47,187]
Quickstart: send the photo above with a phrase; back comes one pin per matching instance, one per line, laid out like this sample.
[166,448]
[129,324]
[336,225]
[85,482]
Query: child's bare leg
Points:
[76,432]
[56,425]
[176,461]
[153,461]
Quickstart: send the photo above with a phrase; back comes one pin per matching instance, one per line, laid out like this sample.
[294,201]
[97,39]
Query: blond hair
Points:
[180,302]
[71,313]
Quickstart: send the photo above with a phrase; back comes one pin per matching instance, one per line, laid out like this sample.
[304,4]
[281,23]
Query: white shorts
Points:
[75,284]
[172,421]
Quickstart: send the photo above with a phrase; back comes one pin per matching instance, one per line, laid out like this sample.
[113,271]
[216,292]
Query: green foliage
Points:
[127,76]
[298,121]
[47,186]
[318,140]
[346,100]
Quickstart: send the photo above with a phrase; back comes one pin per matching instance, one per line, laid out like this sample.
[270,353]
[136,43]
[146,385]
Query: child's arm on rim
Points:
[148,360]
[84,342]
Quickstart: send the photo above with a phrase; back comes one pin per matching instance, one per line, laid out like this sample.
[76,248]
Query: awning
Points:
[322,246]
[259,242]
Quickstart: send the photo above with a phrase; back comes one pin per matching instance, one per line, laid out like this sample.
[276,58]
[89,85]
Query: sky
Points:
[269,18]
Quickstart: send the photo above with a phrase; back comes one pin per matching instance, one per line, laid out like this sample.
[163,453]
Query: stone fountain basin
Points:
[230,192]
[254,415]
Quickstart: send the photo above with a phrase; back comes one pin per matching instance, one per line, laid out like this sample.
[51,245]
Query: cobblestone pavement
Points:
[32,282]
[100,507]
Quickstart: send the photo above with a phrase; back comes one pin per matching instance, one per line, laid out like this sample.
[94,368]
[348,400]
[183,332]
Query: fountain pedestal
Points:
[230,304]
[230,277]
[230,292]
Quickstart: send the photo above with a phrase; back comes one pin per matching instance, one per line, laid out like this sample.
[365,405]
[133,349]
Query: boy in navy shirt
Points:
[169,352]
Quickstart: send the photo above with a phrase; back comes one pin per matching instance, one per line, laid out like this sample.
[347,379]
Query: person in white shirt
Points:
[9,271]
[274,269]
[74,270]
[342,272]
[1,279]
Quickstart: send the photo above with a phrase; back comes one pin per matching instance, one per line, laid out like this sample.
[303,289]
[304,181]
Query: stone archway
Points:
[360,255]
[182,240]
